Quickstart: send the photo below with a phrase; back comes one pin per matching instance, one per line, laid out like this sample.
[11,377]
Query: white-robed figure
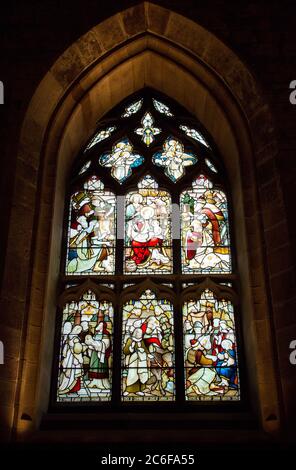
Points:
[136,362]
[90,237]
[145,235]
[81,255]
[71,361]
[100,346]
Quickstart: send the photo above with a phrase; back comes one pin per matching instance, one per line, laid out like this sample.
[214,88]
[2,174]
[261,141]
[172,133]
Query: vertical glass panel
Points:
[121,160]
[148,242]
[148,370]
[204,229]
[101,135]
[85,359]
[148,131]
[91,231]
[210,355]
[173,159]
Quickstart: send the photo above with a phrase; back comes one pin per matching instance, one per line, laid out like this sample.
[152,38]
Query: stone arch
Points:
[146,45]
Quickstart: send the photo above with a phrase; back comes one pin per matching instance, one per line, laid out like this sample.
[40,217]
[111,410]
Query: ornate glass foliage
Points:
[91,231]
[194,134]
[148,349]
[204,229]
[85,167]
[210,165]
[148,243]
[210,356]
[148,131]
[173,159]
[162,108]
[148,182]
[85,358]
[133,108]
[101,135]
[121,160]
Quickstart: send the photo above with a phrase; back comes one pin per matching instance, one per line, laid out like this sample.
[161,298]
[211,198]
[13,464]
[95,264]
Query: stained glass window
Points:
[148,305]
[173,159]
[85,359]
[91,230]
[210,352]
[204,229]
[148,371]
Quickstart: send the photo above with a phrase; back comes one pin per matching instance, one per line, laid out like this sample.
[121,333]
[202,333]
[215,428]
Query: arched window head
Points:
[148,307]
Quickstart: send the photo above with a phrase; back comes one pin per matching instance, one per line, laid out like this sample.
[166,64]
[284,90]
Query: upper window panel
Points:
[204,229]
[91,230]
[148,131]
[148,242]
[150,151]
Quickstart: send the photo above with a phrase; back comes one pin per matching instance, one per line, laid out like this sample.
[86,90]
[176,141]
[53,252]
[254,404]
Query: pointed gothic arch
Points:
[84,84]
[152,264]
